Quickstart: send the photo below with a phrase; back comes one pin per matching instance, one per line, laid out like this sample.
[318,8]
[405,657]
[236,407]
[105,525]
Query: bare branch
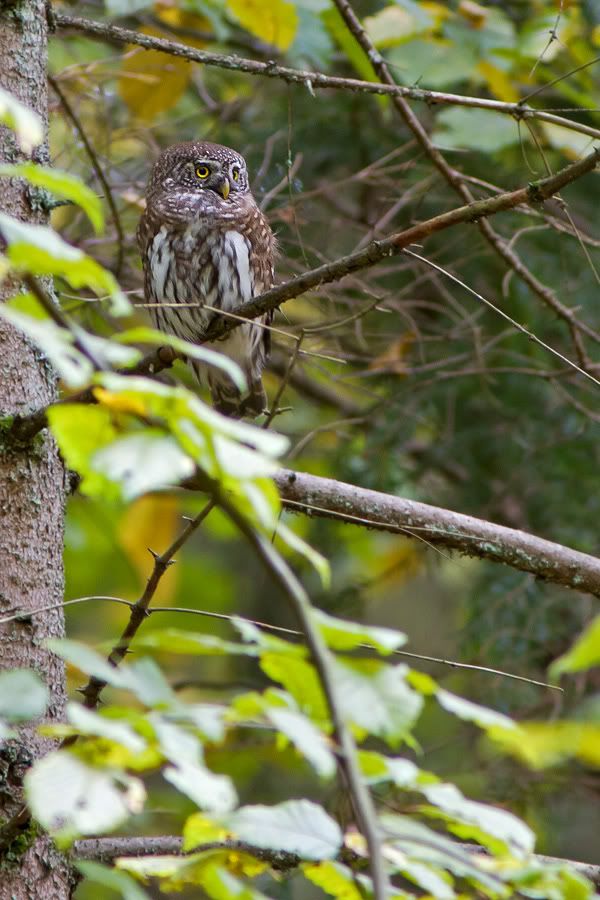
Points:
[107,849]
[311,80]
[325,497]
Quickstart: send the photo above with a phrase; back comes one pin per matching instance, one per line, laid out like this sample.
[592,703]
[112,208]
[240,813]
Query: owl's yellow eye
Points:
[202,171]
[235,174]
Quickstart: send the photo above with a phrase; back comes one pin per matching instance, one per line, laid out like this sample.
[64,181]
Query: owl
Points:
[205,243]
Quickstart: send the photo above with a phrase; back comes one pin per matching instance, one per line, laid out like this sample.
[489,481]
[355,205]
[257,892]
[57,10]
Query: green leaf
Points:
[295,543]
[584,653]
[63,184]
[297,826]
[476,129]
[214,793]
[125,7]
[543,744]
[138,463]
[126,886]
[26,124]
[41,251]
[87,660]
[80,431]
[498,823]
[340,634]
[472,712]
[175,640]
[89,722]
[306,737]
[203,354]
[334,879]
[69,798]
[23,695]
[377,698]
[300,679]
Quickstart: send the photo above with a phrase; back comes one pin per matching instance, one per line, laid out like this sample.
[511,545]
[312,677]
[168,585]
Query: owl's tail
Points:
[228,399]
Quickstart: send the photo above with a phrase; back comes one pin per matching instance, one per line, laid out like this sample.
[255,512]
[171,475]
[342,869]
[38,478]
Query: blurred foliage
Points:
[435,397]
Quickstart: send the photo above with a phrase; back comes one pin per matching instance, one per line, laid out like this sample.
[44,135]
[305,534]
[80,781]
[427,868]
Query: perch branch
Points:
[325,497]
[26,427]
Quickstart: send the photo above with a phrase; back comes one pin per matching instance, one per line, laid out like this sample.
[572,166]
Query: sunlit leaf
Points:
[297,826]
[41,251]
[203,354]
[300,679]
[584,653]
[306,737]
[63,185]
[275,22]
[175,640]
[89,722]
[341,634]
[198,829]
[69,798]
[472,712]
[26,124]
[377,698]
[214,793]
[543,744]
[97,873]
[498,823]
[138,463]
[334,879]
[23,695]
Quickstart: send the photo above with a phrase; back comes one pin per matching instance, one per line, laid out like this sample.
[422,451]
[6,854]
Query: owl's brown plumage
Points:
[204,241]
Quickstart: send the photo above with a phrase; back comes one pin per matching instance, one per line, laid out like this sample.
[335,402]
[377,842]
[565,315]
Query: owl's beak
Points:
[223,187]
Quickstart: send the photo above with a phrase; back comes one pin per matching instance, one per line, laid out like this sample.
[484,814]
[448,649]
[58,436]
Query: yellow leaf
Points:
[273,21]
[150,522]
[152,82]
[498,82]
[118,403]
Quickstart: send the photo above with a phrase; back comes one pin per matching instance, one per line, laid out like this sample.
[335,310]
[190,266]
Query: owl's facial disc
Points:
[209,174]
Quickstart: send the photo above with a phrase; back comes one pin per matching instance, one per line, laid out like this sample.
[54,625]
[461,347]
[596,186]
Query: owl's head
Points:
[202,166]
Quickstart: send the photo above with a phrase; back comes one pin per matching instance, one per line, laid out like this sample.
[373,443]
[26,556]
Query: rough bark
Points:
[31,497]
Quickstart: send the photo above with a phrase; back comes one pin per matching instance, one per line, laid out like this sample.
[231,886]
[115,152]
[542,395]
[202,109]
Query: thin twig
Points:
[20,615]
[139,610]
[72,115]
[347,752]
[457,182]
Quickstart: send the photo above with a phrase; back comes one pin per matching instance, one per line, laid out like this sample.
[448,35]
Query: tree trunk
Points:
[31,498]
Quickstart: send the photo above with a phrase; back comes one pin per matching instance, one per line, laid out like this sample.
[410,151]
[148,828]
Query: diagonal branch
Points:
[26,427]
[325,497]
[459,185]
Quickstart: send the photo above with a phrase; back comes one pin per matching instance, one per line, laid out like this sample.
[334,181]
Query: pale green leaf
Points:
[175,640]
[142,335]
[87,660]
[339,634]
[498,823]
[476,129]
[214,793]
[542,744]
[126,886]
[297,826]
[89,722]
[300,679]
[472,712]
[63,184]
[295,543]
[377,698]
[305,737]
[23,695]
[584,653]
[146,461]
[26,124]
[80,431]
[334,879]
[69,798]
[41,251]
